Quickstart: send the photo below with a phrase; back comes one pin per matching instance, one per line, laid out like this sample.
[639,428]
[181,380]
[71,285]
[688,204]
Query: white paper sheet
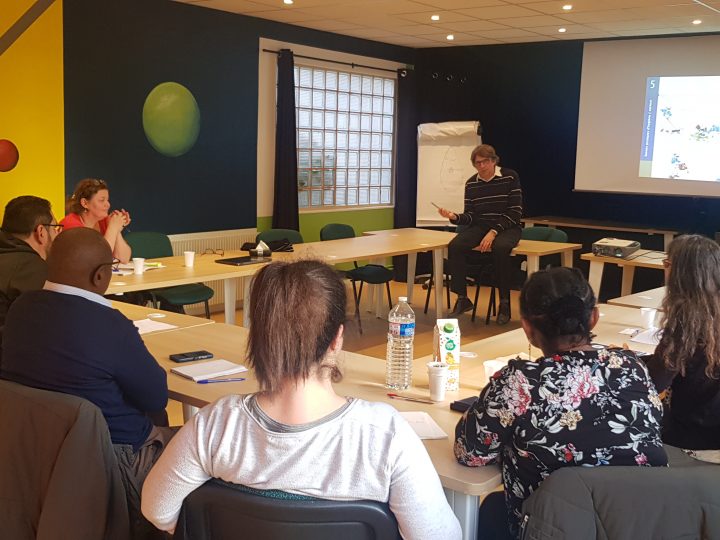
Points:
[145,326]
[423,424]
[648,337]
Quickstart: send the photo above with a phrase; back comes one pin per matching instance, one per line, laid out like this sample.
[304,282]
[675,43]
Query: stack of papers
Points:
[145,326]
[423,424]
[650,336]
[208,370]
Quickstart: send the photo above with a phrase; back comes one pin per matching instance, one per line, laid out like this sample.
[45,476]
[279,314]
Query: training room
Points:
[555,162]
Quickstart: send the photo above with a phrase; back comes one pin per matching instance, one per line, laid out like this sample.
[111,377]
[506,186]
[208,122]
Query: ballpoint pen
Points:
[208,381]
[406,398]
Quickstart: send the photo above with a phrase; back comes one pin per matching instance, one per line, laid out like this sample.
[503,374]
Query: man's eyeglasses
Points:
[115,264]
[481,162]
[58,227]
[209,251]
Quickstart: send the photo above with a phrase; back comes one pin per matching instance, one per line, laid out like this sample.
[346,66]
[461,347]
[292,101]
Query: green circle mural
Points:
[171,119]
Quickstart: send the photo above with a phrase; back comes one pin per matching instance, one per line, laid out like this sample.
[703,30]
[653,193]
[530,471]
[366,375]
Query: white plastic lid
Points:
[402,298]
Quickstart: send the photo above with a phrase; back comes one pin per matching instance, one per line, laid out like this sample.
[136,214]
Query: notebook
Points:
[208,370]
[242,261]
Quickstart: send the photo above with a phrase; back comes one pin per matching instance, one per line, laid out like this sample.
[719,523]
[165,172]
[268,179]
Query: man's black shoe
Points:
[462,304]
[503,316]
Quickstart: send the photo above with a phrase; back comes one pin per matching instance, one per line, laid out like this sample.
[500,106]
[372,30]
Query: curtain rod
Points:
[351,64]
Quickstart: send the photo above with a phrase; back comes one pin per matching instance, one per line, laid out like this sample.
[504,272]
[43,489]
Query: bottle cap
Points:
[449,327]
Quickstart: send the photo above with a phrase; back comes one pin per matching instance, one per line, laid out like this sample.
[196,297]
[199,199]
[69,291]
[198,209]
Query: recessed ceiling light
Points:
[567,7]
[288,2]
[435,17]
[697,21]
[562,30]
[450,37]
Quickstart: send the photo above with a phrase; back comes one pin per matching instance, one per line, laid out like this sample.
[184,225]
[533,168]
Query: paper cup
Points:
[138,265]
[648,317]
[189,258]
[437,375]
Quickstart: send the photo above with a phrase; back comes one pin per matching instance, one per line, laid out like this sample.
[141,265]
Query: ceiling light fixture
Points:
[562,30]
[697,21]
[435,17]
[567,7]
[450,37]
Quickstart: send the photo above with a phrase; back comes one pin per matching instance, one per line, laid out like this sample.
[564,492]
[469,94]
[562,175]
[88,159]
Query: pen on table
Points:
[208,381]
[406,398]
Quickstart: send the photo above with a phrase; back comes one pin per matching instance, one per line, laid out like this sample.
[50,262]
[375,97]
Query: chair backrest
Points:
[271,235]
[149,245]
[336,231]
[626,503]
[59,477]
[545,234]
[221,511]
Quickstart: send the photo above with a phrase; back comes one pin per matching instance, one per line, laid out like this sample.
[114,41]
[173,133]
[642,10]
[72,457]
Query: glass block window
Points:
[345,138]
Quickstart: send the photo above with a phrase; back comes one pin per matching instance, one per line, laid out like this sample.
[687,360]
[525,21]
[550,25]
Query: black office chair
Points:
[222,511]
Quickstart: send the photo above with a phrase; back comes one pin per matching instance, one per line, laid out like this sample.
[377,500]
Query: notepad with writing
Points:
[208,370]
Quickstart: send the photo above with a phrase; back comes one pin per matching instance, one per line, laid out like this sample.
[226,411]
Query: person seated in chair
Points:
[67,338]
[493,208]
[687,359]
[28,230]
[297,435]
[576,405]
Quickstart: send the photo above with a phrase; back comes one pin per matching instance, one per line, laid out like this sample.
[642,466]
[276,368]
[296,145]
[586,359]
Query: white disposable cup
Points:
[189,258]
[648,317]
[437,375]
[138,265]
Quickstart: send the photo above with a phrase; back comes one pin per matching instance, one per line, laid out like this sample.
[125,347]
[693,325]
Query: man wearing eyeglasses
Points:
[27,232]
[490,221]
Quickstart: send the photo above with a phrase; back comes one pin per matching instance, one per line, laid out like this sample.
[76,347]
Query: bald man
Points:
[67,338]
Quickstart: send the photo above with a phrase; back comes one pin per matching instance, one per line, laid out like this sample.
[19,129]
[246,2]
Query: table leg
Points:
[246,301]
[627,280]
[533,264]
[230,286]
[667,238]
[188,411]
[595,279]
[411,264]
[379,291]
[567,259]
[465,507]
[438,273]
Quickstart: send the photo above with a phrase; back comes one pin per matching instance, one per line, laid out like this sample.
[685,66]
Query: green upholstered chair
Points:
[272,235]
[373,274]
[544,234]
[151,245]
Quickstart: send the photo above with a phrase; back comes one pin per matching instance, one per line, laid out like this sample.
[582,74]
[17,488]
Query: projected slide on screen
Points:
[681,131]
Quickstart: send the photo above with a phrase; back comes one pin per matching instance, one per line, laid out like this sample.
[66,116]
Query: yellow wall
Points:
[31,106]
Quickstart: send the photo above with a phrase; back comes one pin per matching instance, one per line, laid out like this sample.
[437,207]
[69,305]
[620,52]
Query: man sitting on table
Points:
[28,230]
[491,220]
[67,338]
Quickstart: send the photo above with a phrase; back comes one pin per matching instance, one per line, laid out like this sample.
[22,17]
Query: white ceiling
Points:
[483,22]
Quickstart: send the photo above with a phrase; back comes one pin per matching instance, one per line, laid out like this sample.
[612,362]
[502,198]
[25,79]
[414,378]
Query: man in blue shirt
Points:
[67,338]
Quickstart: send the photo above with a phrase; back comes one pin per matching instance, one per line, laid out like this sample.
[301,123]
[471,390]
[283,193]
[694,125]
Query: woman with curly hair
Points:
[687,359]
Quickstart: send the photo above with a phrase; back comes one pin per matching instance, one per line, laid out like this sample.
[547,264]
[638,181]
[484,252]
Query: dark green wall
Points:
[116,51]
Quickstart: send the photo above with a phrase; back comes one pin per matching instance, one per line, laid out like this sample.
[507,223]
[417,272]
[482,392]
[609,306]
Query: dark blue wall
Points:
[116,51]
[527,98]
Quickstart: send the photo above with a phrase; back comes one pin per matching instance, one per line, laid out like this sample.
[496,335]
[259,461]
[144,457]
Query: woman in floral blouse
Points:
[574,406]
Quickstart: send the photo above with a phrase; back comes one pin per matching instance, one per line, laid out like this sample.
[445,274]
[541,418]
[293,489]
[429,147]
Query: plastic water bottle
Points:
[399,359]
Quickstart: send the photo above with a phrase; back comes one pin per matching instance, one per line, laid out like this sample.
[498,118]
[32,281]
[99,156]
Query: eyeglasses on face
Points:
[481,162]
[115,264]
[58,227]
[210,251]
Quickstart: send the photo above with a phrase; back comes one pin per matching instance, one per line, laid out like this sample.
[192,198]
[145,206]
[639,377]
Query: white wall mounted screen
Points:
[443,168]
[649,117]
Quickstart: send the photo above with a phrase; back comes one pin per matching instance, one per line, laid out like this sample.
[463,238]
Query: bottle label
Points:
[402,329]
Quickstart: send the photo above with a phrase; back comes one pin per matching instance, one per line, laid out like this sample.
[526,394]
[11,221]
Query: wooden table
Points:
[577,223]
[642,258]
[136,313]
[532,249]
[646,299]
[364,378]
[176,273]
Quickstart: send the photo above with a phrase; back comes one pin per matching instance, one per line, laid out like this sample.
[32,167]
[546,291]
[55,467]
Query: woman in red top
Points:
[89,207]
